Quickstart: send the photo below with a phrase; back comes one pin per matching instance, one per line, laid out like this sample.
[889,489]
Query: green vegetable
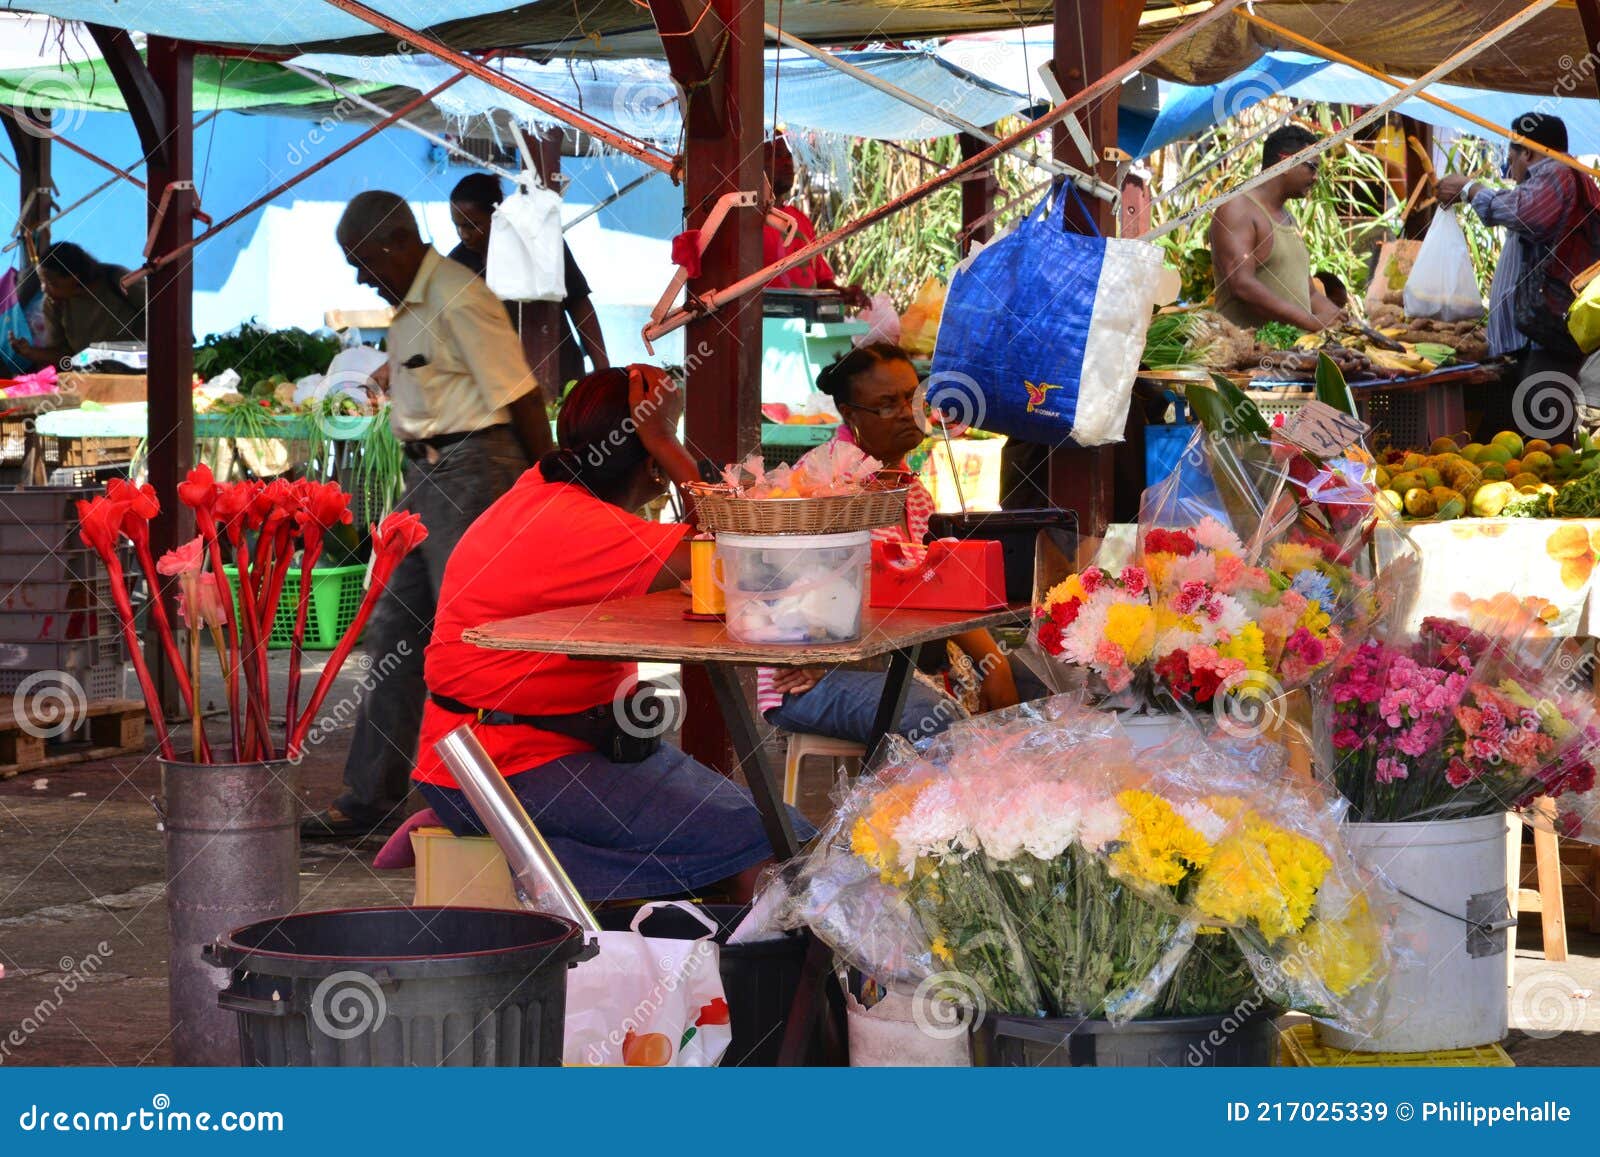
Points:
[1167,343]
[258,353]
[1279,335]
[1332,389]
[1528,506]
[1579,498]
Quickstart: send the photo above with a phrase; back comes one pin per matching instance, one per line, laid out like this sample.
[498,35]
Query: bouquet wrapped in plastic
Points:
[1033,855]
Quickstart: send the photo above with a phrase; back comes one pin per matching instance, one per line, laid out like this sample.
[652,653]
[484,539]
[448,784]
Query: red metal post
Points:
[1589,13]
[1091,38]
[977,197]
[722,352]
[170,324]
[30,123]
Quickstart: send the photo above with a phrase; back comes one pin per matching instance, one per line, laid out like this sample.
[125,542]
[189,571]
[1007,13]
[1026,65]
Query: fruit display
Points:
[1277,352]
[1506,477]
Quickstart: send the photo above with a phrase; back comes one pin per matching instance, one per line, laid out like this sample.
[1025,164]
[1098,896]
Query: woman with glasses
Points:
[879,395]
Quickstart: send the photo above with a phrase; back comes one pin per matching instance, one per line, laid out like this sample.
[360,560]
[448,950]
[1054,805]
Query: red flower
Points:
[142,505]
[322,507]
[199,490]
[1049,636]
[397,536]
[1158,540]
[1174,668]
[234,502]
[99,524]
[1065,613]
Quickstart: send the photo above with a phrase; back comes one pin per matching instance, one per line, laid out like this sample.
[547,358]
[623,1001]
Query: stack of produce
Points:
[1504,478]
[1278,352]
[1469,339]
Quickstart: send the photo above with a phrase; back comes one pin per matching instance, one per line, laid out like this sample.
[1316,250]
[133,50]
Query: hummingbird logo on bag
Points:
[1037,393]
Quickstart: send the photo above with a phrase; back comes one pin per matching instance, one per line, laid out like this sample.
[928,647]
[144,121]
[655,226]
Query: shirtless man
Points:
[1262,269]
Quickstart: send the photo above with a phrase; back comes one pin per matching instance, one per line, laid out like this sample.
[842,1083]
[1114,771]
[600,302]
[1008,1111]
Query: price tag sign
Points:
[1324,431]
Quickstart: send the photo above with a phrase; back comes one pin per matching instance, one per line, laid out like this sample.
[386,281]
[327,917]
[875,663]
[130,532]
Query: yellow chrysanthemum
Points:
[1132,627]
[1293,557]
[941,950]
[1314,619]
[1265,875]
[1156,566]
[1157,845]
[872,835]
[1341,954]
[1068,588]
[1248,645]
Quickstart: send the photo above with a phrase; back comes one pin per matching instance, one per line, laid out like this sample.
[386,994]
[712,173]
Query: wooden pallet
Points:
[113,726]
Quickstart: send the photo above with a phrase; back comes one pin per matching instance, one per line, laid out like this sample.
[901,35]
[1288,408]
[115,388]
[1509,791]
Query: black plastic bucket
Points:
[354,987]
[1230,1040]
[759,978]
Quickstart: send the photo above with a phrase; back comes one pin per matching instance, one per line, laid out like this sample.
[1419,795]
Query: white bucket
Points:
[1447,988]
[1147,731]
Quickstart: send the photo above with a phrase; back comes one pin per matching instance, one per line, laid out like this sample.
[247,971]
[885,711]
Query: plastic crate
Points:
[46,566]
[1286,401]
[1300,1048]
[73,656]
[335,597]
[57,626]
[1397,418]
[39,505]
[66,595]
[101,681]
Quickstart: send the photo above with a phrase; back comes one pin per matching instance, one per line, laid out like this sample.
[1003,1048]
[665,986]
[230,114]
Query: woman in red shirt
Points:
[564,536]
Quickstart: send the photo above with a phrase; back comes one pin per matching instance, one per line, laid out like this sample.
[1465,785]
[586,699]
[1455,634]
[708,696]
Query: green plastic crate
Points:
[335,598]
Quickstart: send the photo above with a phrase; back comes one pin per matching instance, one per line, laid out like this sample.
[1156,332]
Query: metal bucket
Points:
[232,838]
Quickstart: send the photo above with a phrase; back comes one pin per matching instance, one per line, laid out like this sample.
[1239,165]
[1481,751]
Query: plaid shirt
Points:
[1537,212]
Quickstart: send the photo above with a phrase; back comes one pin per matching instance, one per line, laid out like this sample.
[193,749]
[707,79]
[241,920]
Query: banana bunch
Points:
[1409,360]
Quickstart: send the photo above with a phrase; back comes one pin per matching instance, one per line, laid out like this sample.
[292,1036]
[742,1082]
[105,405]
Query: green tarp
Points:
[218,84]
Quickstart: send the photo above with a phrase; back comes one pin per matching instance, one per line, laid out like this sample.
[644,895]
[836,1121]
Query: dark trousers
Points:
[1540,398]
[448,495]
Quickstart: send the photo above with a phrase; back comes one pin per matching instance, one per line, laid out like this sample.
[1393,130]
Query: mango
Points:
[1492,472]
[1525,480]
[1392,500]
[1494,452]
[1404,482]
[1413,461]
[1491,498]
[1448,503]
[1535,444]
[1471,451]
[1420,503]
[1382,478]
[1537,462]
[1511,440]
[1443,446]
[1430,477]
[1559,450]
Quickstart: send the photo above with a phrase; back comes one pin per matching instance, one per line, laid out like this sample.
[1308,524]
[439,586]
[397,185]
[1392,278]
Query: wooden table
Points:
[653,627]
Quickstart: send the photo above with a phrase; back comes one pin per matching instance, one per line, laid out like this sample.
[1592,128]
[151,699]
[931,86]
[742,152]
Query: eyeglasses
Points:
[894,410]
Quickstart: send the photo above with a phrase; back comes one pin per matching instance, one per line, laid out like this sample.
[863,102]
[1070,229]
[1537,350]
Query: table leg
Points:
[901,666]
[758,772]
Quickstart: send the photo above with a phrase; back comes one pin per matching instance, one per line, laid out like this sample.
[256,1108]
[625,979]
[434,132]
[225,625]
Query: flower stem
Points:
[119,595]
[169,644]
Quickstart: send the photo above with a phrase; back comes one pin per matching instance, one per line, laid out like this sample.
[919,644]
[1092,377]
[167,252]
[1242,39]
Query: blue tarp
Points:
[1186,110]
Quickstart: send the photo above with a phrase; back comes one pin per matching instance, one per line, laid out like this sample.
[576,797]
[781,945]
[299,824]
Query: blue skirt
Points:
[629,831]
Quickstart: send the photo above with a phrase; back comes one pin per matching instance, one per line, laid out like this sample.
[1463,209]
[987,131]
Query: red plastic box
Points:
[952,576]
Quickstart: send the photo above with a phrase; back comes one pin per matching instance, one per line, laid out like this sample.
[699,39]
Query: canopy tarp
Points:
[219,83]
[638,96]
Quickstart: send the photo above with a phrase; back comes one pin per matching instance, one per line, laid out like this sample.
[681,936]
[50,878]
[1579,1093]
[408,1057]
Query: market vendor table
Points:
[1411,411]
[653,627]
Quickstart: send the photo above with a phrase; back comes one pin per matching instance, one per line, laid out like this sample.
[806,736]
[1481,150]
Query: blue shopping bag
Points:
[1043,330]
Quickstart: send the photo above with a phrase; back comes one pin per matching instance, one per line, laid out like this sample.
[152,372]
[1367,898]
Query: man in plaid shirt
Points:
[1547,208]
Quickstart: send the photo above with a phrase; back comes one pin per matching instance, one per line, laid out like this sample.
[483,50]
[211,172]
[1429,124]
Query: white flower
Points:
[1100,823]
[937,825]
[1203,820]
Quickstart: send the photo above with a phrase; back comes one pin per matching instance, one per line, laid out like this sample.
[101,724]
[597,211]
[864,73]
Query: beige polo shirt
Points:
[465,361]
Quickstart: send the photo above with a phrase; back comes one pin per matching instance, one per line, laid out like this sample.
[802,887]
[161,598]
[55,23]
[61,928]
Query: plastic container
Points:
[1018,532]
[42,565]
[73,657]
[1449,991]
[350,988]
[336,593]
[795,588]
[39,538]
[1163,449]
[1152,730]
[68,595]
[57,626]
[41,505]
[760,978]
[102,680]
[461,871]
[1239,1038]
[1301,1047]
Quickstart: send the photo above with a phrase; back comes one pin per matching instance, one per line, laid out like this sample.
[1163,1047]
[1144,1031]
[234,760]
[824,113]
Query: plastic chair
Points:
[801,747]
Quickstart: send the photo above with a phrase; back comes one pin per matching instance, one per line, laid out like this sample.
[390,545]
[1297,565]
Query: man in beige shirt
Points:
[471,418]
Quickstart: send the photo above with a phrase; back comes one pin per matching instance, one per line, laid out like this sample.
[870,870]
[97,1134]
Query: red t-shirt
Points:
[542,546]
[817,274]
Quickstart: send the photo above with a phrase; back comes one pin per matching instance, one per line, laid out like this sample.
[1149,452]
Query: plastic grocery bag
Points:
[1583,320]
[525,260]
[1043,331]
[883,323]
[1442,284]
[648,1000]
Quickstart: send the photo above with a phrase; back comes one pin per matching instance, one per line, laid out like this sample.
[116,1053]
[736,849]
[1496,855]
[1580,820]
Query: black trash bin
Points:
[474,987]
[1232,1039]
[759,978]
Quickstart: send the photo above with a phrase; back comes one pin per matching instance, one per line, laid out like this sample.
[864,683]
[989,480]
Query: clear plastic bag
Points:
[1442,283]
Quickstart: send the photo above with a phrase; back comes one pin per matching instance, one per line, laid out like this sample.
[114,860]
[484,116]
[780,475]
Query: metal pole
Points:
[425,134]
[539,876]
[1496,34]
[1084,181]
[610,200]
[1438,102]
[50,134]
[233,219]
[709,302]
[615,138]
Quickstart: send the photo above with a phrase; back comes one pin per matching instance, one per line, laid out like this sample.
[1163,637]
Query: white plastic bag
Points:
[1442,284]
[882,321]
[525,258]
[648,1000]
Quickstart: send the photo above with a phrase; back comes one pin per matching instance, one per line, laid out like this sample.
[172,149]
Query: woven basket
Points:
[881,503]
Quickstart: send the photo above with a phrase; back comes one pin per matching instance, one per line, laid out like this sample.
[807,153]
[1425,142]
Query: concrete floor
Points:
[81,871]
